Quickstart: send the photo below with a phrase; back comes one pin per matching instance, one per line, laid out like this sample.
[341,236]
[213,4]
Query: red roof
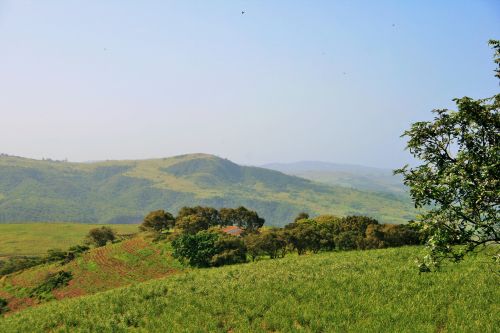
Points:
[233,230]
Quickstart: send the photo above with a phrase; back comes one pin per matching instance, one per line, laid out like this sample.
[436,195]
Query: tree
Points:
[241,217]
[229,250]
[348,240]
[304,235]
[269,242]
[209,248]
[458,178]
[194,219]
[198,249]
[157,221]
[100,236]
[356,223]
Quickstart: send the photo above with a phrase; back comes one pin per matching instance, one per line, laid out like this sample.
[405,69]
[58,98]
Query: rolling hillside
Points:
[124,191]
[355,291]
[131,261]
[352,176]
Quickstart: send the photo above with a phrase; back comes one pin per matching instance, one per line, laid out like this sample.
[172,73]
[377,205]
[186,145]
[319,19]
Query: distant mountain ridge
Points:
[347,175]
[124,191]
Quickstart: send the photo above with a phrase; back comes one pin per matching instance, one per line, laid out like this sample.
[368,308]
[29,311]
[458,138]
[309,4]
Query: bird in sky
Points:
[243,12]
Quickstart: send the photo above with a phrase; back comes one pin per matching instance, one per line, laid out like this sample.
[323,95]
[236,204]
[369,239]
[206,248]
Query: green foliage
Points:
[356,291]
[209,248]
[54,255]
[241,217]
[100,236]
[198,249]
[194,219]
[348,240]
[15,264]
[304,235]
[125,191]
[271,242]
[157,221]
[459,176]
[229,250]
[52,281]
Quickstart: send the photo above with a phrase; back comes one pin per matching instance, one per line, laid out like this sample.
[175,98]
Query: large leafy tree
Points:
[458,178]
[157,221]
[100,236]
[241,217]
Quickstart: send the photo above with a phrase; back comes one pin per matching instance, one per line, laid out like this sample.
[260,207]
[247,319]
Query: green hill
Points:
[357,291]
[124,191]
[347,175]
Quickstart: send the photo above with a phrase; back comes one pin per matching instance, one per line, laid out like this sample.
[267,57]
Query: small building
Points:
[233,230]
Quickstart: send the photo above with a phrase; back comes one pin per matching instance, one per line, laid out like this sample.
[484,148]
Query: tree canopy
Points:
[458,178]
[157,221]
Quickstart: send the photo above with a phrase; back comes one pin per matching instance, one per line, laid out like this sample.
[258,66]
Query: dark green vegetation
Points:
[50,282]
[199,238]
[355,291]
[458,177]
[124,191]
[351,176]
[35,239]
[19,263]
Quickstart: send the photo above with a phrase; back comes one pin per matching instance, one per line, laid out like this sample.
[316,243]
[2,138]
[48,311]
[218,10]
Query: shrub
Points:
[15,264]
[51,282]
[54,255]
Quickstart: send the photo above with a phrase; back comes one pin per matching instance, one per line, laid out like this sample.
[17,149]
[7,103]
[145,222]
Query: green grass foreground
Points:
[358,291]
[36,238]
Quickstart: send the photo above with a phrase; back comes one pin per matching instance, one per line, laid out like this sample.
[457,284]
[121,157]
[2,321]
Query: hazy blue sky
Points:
[288,80]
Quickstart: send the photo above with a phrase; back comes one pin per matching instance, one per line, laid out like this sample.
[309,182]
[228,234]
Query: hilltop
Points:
[124,191]
[356,291]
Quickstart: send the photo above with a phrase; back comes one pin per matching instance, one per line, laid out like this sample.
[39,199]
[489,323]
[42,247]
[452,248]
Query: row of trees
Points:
[207,245]
[191,220]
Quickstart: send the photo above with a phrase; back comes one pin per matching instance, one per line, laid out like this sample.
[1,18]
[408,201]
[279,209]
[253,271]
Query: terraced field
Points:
[104,268]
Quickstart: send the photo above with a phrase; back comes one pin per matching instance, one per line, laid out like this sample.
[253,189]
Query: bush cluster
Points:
[19,263]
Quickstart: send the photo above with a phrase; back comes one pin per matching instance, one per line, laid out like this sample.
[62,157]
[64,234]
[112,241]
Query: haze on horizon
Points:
[283,81]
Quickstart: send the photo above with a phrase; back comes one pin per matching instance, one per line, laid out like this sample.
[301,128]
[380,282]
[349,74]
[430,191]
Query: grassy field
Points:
[358,291]
[37,238]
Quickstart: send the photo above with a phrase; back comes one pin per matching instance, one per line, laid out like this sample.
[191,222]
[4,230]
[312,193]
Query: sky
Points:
[284,81]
